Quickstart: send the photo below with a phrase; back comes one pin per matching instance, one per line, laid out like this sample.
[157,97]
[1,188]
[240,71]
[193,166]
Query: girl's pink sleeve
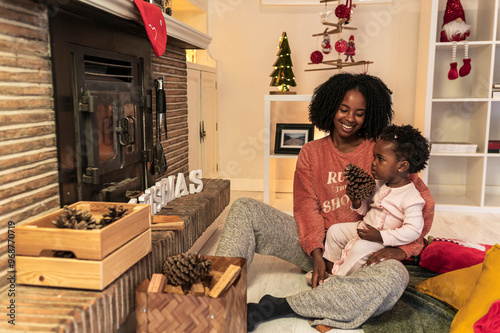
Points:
[306,206]
[416,247]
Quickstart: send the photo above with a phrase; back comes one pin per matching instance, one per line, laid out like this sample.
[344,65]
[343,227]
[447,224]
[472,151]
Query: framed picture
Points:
[314,2]
[291,137]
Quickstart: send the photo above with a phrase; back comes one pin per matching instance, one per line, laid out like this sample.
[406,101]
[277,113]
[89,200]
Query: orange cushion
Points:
[453,288]
[484,294]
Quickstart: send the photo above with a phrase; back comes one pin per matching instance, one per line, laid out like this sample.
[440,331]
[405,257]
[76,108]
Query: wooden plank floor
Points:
[270,275]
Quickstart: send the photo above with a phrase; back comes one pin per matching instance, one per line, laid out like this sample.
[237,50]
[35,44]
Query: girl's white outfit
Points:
[396,212]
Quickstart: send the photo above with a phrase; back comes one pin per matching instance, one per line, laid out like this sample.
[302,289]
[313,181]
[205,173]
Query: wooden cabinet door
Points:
[203,106]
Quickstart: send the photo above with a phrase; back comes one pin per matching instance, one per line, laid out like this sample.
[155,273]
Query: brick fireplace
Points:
[30,162]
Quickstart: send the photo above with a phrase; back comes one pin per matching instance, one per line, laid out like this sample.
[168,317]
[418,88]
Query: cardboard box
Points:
[163,312]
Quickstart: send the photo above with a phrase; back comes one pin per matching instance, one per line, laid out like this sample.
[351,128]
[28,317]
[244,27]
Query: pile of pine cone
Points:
[73,218]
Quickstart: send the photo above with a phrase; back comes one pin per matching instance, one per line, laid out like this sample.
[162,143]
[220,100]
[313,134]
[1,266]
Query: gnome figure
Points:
[456,29]
[326,46]
[351,49]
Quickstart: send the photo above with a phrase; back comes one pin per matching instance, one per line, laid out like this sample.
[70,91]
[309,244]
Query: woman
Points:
[354,108]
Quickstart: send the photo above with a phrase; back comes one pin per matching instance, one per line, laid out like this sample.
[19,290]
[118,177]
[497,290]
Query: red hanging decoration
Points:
[326,47]
[344,11]
[316,57]
[340,45]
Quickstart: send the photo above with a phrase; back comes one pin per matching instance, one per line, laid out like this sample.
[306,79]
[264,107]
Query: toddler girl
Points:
[393,216]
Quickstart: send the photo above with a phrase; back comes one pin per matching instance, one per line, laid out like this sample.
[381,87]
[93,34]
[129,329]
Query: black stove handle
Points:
[161,102]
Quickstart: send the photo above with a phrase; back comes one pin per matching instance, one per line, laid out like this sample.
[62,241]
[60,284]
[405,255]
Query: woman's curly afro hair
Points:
[409,145]
[328,96]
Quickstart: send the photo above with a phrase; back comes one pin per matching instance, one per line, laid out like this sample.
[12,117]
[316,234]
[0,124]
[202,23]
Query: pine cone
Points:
[184,269]
[73,218]
[360,184]
[113,215]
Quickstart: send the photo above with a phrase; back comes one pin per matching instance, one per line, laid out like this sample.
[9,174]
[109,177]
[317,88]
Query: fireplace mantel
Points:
[185,35]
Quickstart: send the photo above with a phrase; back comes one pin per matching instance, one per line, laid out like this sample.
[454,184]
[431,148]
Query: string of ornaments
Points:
[343,13]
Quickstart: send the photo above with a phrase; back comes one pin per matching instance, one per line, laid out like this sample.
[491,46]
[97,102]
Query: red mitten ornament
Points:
[155,26]
[316,57]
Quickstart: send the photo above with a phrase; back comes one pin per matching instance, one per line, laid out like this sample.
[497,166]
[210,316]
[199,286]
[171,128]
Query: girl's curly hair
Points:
[409,145]
[328,96]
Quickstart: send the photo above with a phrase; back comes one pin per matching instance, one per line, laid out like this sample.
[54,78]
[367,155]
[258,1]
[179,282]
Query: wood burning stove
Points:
[102,94]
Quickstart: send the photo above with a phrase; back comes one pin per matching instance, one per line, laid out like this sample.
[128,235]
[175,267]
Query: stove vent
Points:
[104,69]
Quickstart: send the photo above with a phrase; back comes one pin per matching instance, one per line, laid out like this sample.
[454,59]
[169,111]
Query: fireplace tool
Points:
[159,160]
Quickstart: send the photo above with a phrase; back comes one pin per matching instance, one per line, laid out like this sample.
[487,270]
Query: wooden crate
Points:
[40,234]
[162,312]
[82,273]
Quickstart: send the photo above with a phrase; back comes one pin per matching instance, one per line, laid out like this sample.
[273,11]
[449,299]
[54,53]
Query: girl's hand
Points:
[386,253]
[355,203]
[369,233]
[319,268]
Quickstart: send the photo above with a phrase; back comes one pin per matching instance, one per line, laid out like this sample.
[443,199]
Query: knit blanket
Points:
[415,311]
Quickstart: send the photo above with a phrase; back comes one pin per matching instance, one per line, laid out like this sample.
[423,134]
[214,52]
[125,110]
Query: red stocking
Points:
[453,73]
[466,67]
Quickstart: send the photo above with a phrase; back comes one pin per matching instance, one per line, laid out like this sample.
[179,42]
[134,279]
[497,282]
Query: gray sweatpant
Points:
[255,227]
[342,301]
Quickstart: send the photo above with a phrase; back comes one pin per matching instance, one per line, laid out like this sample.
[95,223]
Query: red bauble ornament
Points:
[340,46]
[342,11]
[316,57]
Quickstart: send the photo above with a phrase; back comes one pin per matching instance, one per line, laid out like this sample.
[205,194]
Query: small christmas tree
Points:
[283,76]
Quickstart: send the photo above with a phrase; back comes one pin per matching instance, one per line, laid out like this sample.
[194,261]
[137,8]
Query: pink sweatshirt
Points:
[319,192]
[396,212]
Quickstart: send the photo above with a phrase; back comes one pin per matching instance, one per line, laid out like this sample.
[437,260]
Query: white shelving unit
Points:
[283,201]
[461,110]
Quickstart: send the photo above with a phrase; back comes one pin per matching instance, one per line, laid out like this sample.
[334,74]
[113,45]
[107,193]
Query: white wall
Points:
[245,40]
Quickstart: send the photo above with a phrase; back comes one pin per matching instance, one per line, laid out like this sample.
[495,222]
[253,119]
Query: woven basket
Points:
[162,312]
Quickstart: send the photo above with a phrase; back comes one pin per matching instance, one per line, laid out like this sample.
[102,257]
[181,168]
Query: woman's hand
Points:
[319,268]
[386,253]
